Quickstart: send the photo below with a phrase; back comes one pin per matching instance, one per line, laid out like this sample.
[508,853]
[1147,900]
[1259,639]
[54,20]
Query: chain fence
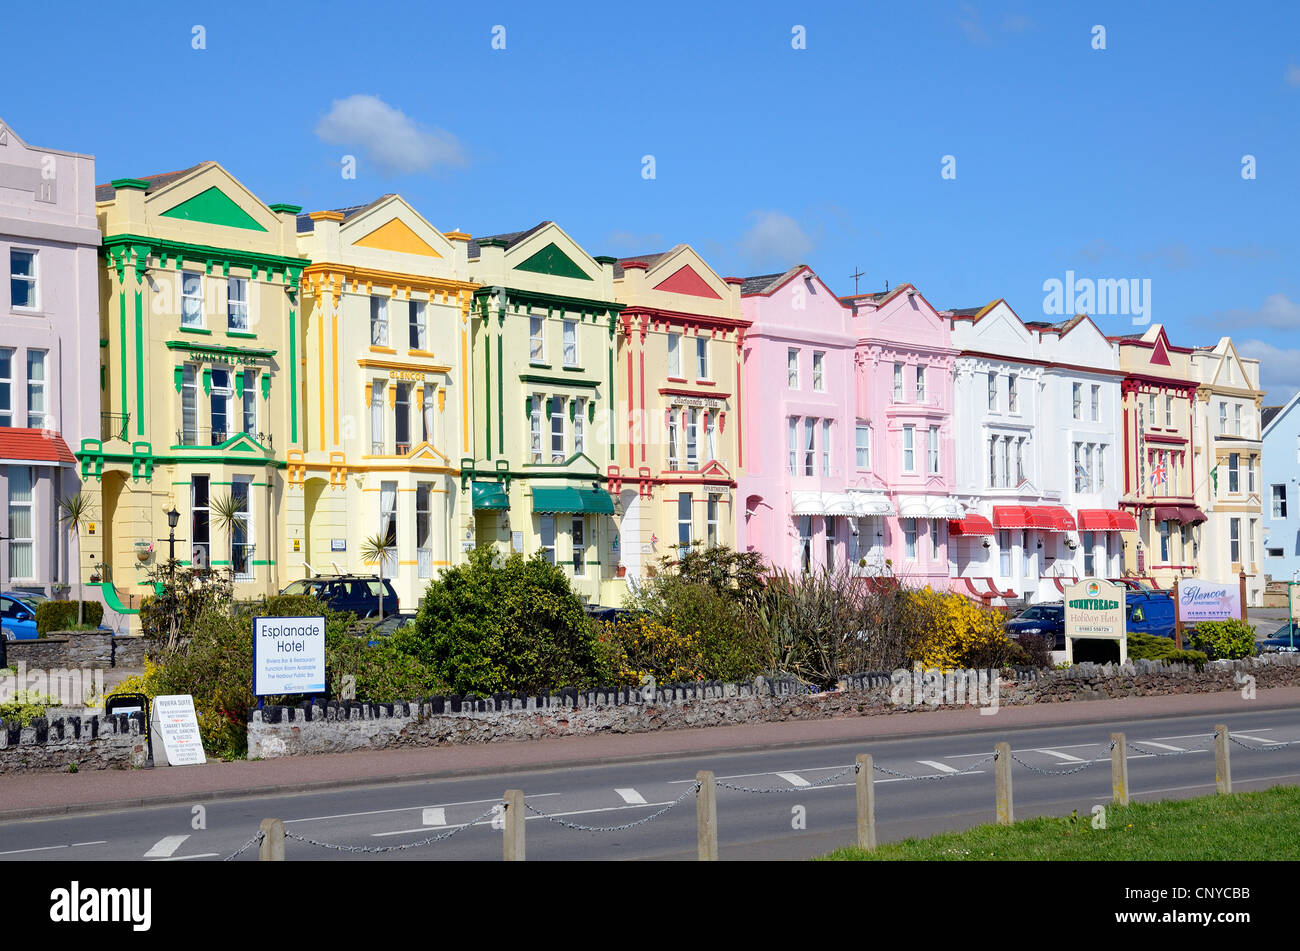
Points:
[695,788]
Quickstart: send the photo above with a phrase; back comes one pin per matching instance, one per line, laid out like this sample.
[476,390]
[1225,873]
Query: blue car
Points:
[17,619]
[1044,620]
[1285,640]
[1149,612]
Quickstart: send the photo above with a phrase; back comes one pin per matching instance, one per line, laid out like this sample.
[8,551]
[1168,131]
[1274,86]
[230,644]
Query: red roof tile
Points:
[34,445]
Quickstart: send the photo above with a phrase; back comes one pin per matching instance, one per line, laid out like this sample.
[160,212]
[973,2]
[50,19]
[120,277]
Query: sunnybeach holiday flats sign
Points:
[1094,608]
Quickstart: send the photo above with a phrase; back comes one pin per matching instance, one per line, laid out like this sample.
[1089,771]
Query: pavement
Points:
[48,794]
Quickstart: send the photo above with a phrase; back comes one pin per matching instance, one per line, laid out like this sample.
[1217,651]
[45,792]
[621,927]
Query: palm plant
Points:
[224,511]
[380,547]
[74,511]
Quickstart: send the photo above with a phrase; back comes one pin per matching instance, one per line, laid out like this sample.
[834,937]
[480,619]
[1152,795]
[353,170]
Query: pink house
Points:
[903,461]
[799,424]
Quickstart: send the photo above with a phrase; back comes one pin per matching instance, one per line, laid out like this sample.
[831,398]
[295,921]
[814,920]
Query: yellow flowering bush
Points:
[959,633]
[637,645]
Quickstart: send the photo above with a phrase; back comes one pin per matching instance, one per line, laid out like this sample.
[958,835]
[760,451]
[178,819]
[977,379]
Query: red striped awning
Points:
[1122,522]
[1013,516]
[970,525]
[1053,518]
[1094,520]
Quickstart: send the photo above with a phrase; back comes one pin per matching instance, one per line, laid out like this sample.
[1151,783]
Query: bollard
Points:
[272,846]
[706,816]
[1222,768]
[514,825]
[1119,769]
[1002,784]
[866,802]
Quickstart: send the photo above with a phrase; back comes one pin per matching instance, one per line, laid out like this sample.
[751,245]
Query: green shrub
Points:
[494,625]
[62,615]
[638,644]
[1228,639]
[1151,647]
[710,617]
[26,706]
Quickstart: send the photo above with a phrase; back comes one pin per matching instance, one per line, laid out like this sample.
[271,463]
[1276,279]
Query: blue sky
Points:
[1124,162]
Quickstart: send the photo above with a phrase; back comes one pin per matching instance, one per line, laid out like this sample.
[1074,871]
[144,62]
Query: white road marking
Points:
[1260,739]
[1163,746]
[1062,756]
[631,796]
[794,779]
[39,848]
[96,842]
[380,812]
[186,858]
[436,816]
[484,822]
[166,847]
[810,769]
[941,767]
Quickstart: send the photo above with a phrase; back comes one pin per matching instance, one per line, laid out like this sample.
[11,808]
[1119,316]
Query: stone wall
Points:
[95,742]
[93,649]
[335,727]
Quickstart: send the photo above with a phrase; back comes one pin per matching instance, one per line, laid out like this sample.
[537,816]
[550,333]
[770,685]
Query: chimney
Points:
[287,215]
[460,248]
[326,225]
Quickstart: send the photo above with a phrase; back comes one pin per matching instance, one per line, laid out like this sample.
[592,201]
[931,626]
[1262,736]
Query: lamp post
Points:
[172,518]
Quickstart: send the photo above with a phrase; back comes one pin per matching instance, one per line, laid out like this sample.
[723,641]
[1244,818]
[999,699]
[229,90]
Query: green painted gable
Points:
[551,260]
[214,207]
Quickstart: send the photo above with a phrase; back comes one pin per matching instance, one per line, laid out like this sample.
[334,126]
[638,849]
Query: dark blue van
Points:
[1149,612]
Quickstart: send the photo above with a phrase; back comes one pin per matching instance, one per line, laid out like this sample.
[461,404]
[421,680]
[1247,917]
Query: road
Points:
[816,782]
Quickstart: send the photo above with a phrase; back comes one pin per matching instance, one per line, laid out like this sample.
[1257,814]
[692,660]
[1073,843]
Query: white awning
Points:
[807,503]
[871,503]
[837,503]
[928,506]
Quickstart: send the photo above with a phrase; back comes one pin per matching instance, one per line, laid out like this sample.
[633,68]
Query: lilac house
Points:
[799,424]
[49,356]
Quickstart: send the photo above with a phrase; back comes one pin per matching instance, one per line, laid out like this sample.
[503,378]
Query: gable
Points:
[686,280]
[213,206]
[551,260]
[396,235]
[1160,353]
[426,450]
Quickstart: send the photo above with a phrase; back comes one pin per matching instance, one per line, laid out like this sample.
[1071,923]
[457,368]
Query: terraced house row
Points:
[292,386]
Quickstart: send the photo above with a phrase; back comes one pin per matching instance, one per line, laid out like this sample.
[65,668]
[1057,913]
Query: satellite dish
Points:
[199,557]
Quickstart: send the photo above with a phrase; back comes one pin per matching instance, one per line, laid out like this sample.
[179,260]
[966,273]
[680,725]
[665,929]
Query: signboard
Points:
[288,655]
[338,544]
[1206,601]
[1094,608]
[1291,596]
[176,725]
[517,542]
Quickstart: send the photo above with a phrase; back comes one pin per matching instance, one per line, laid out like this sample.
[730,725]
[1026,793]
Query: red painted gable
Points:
[686,281]
[1160,355]
[34,445]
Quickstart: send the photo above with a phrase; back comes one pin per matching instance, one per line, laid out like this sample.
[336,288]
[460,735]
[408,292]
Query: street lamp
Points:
[172,518]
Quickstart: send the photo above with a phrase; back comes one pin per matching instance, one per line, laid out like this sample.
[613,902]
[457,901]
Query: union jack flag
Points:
[1158,473]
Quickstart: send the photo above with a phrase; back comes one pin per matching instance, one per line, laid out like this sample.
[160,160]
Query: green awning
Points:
[567,499]
[490,495]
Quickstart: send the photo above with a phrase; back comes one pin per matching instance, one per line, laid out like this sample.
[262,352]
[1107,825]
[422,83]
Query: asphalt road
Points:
[813,783]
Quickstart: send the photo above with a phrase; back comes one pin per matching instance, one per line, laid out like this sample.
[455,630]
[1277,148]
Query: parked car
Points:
[1045,620]
[1149,612]
[1285,640]
[17,619]
[356,593]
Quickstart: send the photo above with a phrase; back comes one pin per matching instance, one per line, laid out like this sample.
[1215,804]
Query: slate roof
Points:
[511,238]
[107,192]
[650,260]
[766,283]
[306,224]
[1268,413]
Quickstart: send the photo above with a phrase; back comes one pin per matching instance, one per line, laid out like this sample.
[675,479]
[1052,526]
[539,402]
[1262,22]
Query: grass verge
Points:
[1250,826]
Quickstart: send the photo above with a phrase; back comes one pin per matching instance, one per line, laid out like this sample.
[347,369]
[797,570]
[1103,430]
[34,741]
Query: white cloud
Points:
[1278,310]
[1293,75]
[774,240]
[1276,369]
[394,142]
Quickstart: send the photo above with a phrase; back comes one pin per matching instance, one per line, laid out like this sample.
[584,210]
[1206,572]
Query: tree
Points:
[514,624]
[74,511]
[380,547]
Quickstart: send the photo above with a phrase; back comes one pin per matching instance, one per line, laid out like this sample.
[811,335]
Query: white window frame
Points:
[19,541]
[578,540]
[1013,396]
[693,438]
[248,411]
[819,371]
[675,356]
[546,536]
[378,419]
[225,395]
[417,325]
[580,426]
[237,304]
[570,330]
[810,445]
[674,423]
[7,386]
[932,449]
[536,339]
[792,367]
[192,316]
[33,280]
[712,523]
[424,529]
[898,383]
[1277,504]
[558,437]
[686,524]
[702,357]
[246,518]
[862,445]
[1096,403]
[909,448]
[1076,396]
[826,447]
[38,406]
[379,336]
[792,443]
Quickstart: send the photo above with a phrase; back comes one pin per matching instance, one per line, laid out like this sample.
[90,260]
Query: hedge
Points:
[62,615]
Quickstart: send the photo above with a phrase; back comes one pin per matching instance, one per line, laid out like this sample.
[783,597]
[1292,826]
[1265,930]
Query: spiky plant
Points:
[379,547]
[75,513]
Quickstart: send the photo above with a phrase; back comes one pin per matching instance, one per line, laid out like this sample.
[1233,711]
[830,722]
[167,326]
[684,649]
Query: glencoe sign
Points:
[1206,601]
[1095,608]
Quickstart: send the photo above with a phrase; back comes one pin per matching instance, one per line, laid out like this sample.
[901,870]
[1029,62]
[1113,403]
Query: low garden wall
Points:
[91,649]
[94,742]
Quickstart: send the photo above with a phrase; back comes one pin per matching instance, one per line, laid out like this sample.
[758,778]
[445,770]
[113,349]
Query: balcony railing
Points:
[207,436]
[114,426]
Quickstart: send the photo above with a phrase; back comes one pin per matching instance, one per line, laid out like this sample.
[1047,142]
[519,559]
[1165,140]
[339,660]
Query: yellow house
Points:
[544,401]
[679,450]
[387,407]
[199,378]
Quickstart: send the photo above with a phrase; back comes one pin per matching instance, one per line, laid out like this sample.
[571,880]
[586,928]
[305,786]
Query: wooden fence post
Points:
[866,802]
[1222,768]
[1002,784]
[706,816]
[514,825]
[272,847]
[1119,769]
